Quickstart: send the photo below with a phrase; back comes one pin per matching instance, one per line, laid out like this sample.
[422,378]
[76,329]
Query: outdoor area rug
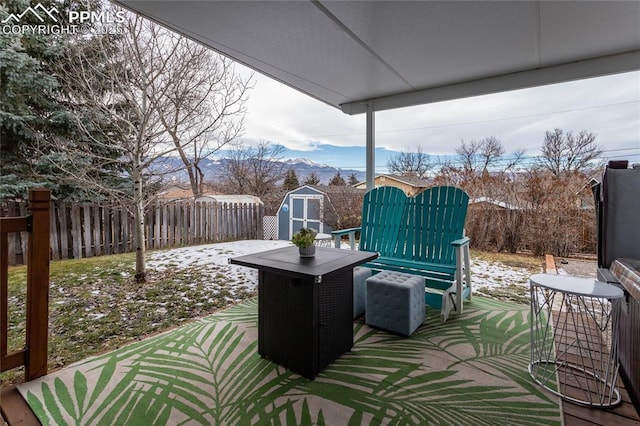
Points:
[470,370]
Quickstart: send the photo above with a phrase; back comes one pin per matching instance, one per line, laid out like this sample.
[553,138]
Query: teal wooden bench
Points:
[422,235]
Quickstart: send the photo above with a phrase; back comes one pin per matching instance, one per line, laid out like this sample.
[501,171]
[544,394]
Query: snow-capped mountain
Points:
[214,169]
[299,160]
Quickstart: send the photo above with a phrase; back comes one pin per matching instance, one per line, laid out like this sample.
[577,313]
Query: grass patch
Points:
[532,263]
[95,305]
[508,293]
[506,288]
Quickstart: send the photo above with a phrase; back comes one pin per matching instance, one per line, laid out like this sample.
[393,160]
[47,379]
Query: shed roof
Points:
[236,198]
[177,193]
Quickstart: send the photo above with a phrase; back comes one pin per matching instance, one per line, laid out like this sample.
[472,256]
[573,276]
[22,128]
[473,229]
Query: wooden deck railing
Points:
[37,224]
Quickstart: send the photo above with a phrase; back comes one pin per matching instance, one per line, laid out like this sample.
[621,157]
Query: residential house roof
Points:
[408,179]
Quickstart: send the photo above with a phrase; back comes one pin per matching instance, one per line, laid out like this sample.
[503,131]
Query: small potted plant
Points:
[305,239]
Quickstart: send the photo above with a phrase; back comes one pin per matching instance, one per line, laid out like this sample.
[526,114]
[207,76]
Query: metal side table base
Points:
[574,338]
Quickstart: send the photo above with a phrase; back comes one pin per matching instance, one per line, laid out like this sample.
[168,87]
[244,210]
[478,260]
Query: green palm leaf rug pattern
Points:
[471,370]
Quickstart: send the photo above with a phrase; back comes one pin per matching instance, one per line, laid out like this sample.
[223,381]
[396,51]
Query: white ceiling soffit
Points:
[392,54]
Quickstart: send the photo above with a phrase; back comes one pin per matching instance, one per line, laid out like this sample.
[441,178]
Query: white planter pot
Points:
[308,251]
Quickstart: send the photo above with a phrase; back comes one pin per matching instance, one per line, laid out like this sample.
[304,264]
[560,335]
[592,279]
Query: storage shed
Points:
[319,207]
[302,207]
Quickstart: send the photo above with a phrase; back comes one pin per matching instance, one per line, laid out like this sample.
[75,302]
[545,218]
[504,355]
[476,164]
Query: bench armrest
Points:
[462,241]
[351,232]
[341,232]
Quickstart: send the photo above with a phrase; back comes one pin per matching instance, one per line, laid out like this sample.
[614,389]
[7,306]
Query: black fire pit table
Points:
[305,305]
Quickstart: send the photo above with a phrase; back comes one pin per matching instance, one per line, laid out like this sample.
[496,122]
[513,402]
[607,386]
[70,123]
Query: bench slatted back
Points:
[436,218]
[382,211]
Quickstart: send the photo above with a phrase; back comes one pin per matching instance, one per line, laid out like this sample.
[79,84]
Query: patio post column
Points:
[37,309]
[371,147]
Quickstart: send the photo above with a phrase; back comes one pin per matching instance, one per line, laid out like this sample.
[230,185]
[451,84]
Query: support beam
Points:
[371,148]
[37,324]
[560,73]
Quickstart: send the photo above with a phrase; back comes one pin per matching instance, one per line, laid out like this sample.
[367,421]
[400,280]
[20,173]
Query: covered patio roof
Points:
[367,56]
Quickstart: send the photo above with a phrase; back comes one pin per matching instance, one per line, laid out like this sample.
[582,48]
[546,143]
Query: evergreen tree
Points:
[26,97]
[353,179]
[290,180]
[337,180]
[36,115]
[312,179]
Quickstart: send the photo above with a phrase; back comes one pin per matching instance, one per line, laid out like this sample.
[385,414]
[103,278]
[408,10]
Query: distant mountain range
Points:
[214,169]
[304,168]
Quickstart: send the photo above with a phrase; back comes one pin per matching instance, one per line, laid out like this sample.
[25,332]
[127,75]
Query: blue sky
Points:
[607,106]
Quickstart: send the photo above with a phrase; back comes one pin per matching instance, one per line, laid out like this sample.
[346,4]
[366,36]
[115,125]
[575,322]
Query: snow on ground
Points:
[490,275]
[213,259]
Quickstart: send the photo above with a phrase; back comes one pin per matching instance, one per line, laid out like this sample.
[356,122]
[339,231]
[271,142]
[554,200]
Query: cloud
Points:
[608,106]
[283,115]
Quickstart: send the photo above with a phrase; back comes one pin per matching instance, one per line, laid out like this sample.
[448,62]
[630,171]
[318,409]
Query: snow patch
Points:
[484,274]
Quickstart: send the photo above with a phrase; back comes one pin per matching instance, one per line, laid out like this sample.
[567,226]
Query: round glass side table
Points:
[574,325]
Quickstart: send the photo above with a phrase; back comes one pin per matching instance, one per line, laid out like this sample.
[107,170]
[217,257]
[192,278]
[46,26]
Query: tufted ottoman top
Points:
[398,278]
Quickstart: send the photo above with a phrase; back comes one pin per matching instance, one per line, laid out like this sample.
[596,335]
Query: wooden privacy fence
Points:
[86,230]
[36,225]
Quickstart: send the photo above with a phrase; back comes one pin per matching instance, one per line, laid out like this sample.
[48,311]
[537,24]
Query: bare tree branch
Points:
[564,154]
[417,162]
[139,97]
[254,171]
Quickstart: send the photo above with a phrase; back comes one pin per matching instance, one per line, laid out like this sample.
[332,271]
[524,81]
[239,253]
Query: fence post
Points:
[260,222]
[38,284]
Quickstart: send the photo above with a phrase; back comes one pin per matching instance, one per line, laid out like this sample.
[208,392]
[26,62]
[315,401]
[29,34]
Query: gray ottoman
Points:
[395,302]
[360,275]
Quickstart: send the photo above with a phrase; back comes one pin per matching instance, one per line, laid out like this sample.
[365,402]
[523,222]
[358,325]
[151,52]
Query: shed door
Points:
[305,212]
